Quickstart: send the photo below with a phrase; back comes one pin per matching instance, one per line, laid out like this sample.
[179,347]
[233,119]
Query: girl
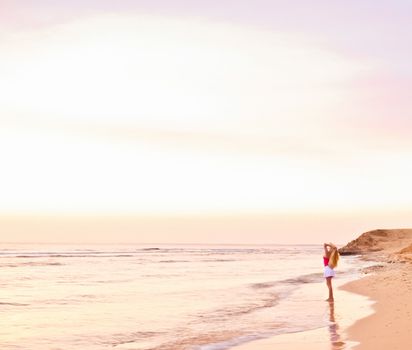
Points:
[330,260]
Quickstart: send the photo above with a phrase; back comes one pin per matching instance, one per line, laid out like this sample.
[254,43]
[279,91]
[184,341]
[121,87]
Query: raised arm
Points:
[328,251]
[325,247]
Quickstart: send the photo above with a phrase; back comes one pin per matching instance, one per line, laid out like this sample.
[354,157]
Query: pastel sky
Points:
[211,109]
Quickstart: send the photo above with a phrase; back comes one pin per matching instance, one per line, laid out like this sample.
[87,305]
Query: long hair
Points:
[334,258]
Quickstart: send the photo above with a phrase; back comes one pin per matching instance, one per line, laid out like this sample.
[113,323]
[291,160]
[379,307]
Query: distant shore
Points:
[387,286]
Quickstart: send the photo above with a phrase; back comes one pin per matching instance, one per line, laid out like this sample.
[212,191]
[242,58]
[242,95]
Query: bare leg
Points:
[329,284]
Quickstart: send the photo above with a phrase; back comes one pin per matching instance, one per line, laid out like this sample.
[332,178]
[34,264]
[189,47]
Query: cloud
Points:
[152,114]
[189,82]
[179,73]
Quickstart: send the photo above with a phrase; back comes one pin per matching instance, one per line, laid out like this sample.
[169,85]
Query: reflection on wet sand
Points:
[335,338]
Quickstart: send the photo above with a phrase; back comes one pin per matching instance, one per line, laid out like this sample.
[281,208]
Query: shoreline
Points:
[386,288]
[348,309]
[390,326]
[390,286]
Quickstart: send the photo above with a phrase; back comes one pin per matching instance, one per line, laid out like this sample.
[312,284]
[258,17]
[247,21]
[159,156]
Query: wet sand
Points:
[344,312]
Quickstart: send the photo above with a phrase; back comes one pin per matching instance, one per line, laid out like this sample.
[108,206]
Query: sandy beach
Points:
[390,286]
[386,287]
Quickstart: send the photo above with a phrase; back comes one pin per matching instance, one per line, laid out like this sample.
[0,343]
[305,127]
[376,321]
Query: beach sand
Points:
[390,327]
[386,287]
[390,286]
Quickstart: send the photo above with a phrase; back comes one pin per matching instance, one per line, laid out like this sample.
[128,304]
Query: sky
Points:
[285,121]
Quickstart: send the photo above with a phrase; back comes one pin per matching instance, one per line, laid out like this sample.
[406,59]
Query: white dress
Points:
[328,272]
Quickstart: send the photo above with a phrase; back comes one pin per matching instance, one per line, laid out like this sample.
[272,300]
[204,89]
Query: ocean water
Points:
[158,297]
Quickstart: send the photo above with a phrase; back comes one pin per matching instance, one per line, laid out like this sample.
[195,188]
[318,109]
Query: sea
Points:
[159,297]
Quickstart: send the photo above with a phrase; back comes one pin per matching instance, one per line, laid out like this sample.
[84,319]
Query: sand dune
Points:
[388,242]
[407,250]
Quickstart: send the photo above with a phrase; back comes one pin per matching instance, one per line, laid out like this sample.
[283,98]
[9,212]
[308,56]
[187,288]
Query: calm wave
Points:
[181,297]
